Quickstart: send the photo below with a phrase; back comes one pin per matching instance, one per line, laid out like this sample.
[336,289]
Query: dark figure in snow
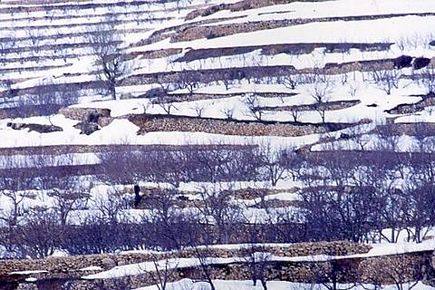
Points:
[137,196]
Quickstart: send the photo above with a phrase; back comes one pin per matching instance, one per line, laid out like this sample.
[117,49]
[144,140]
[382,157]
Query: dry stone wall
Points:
[198,32]
[102,116]
[385,269]
[166,123]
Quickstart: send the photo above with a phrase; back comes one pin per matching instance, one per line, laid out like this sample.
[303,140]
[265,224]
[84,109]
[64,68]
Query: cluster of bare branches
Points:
[358,195]
[106,45]
[347,195]
[33,230]
[385,79]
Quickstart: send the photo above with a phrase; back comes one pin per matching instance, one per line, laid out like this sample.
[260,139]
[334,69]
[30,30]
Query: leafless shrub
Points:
[320,91]
[188,80]
[289,81]
[217,206]
[229,113]
[199,109]
[295,113]
[40,234]
[274,162]
[385,79]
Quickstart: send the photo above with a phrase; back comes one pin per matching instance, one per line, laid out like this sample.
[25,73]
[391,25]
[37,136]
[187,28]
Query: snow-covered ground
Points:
[187,284]
[409,35]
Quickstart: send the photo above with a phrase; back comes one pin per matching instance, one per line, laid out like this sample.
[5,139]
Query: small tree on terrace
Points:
[165,270]
[105,44]
[290,81]
[40,234]
[320,91]
[274,162]
[256,256]
[253,105]
[121,166]
[217,206]
[188,79]
[14,185]
[385,79]
[67,191]
[428,78]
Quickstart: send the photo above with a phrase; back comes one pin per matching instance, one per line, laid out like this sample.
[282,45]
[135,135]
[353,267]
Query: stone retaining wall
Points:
[60,268]
[238,6]
[198,32]
[83,114]
[167,123]
[385,269]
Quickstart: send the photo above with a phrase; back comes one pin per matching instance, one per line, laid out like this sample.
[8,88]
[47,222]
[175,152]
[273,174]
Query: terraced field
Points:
[179,125]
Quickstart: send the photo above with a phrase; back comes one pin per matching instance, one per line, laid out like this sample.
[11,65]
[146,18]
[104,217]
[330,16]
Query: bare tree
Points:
[428,78]
[385,79]
[199,109]
[256,258]
[165,104]
[274,162]
[253,104]
[165,87]
[217,206]
[15,183]
[40,234]
[106,46]
[229,113]
[289,81]
[68,192]
[46,102]
[111,206]
[204,256]
[35,35]
[320,91]
[164,271]
[188,79]
[295,112]
[388,140]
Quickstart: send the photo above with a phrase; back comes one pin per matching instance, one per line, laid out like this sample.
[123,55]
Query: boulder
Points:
[85,114]
[34,127]
[155,93]
[421,62]
[108,263]
[87,128]
[403,61]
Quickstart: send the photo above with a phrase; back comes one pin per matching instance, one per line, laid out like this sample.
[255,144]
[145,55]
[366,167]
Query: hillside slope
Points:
[181,125]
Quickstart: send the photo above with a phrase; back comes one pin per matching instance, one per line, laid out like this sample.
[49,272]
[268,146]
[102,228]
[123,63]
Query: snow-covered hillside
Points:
[168,124]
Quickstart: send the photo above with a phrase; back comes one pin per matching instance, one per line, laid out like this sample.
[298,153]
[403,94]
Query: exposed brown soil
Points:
[171,31]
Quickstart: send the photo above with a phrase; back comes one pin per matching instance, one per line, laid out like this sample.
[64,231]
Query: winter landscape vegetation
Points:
[217,144]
